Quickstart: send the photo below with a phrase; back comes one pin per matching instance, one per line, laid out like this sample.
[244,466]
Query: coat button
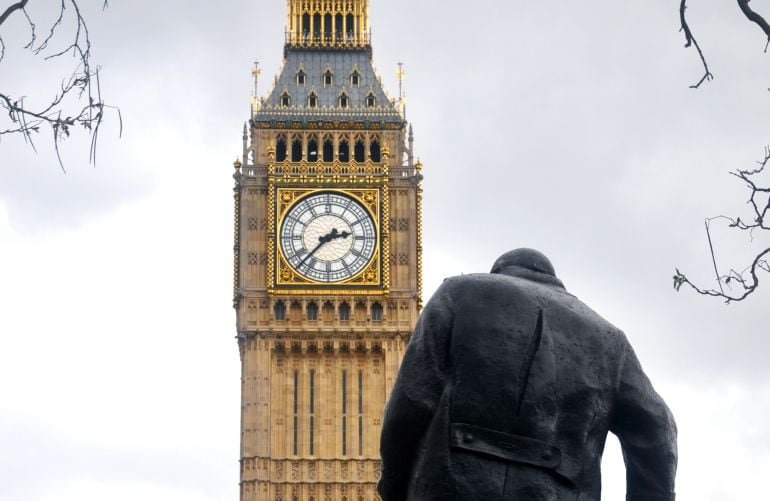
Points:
[468,437]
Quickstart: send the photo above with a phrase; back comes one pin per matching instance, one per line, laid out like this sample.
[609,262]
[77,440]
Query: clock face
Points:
[328,237]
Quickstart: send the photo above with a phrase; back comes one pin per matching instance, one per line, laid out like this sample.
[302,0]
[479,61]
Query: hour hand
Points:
[336,234]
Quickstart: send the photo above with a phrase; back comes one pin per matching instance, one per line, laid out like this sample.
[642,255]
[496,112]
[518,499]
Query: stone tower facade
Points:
[328,271]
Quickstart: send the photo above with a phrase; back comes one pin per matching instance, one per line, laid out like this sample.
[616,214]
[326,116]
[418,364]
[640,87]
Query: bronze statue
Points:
[507,391]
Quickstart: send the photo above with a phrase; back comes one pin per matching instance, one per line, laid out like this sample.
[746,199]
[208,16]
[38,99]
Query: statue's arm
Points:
[414,398]
[647,433]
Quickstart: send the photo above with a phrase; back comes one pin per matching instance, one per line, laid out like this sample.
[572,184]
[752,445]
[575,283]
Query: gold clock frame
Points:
[373,279]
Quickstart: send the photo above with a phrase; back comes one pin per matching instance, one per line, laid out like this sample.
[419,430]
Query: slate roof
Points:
[315,63]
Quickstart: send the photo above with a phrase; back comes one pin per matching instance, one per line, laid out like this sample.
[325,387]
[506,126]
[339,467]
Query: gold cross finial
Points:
[400,73]
[255,73]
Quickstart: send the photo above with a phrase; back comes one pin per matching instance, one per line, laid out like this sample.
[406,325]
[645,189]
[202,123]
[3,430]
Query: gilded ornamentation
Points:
[369,198]
[419,239]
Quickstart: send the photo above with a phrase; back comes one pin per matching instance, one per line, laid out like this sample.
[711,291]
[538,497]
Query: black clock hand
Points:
[332,235]
[323,241]
[335,235]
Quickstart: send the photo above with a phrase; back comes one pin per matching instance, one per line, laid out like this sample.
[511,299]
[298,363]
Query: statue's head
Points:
[528,259]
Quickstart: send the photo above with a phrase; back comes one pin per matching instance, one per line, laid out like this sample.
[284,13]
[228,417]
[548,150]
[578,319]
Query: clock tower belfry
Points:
[328,262]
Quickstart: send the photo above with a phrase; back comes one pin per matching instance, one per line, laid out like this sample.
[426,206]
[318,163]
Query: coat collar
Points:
[534,276]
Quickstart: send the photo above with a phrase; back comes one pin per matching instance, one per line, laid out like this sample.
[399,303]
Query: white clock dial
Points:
[328,237]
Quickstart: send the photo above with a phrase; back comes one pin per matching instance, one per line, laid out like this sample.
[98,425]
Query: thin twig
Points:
[713,257]
[690,40]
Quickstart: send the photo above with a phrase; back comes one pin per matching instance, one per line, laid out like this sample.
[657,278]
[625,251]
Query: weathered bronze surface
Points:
[507,391]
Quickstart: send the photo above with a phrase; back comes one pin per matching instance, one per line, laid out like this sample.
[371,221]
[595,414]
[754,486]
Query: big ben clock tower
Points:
[327,262]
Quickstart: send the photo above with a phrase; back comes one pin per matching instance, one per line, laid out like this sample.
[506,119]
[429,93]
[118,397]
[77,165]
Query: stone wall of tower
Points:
[273,351]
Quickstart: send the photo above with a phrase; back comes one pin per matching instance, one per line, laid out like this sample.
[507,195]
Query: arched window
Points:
[344,311]
[306,24]
[280,150]
[312,100]
[328,26]
[360,310]
[295,312]
[285,100]
[317,26]
[312,150]
[279,310]
[328,311]
[338,20]
[371,101]
[312,311]
[328,78]
[344,151]
[296,150]
[349,26]
[328,153]
[344,100]
[301,77]
[376,312]
[355,78]
[359,151]
[375,151]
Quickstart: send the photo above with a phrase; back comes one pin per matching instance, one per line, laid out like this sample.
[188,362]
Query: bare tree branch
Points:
[756,19]
[77,103]
[690,41]
[747,279]
[11,9]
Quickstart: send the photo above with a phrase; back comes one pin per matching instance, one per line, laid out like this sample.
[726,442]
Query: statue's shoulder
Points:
[472,280]
[468,285]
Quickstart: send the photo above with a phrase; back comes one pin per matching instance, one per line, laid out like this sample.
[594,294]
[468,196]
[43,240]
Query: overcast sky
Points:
[568,127]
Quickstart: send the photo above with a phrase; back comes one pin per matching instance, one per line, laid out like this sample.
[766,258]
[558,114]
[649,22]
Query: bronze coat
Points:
[507,391]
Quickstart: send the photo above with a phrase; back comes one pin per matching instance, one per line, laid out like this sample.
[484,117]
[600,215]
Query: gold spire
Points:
[328,23]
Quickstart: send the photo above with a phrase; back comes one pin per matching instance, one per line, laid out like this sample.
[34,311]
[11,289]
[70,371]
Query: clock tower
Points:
[328,262]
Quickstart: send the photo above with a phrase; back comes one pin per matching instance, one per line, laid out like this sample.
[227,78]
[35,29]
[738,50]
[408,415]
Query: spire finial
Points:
[400,73]
[255,73]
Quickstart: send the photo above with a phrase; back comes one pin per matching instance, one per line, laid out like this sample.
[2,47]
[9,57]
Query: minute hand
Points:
[323,241]
[332,235]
